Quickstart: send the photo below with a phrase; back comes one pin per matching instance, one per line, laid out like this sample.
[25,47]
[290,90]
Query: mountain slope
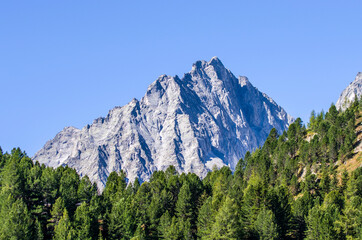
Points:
[207,118]
[348,95]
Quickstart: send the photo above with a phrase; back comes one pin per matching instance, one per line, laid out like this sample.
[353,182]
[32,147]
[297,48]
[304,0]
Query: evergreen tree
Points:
[332,114]
[325,182]
[121,220]
[266,226]
[321,222]
[10,179]
[350,222]
[64,230]
[165,226]
[279,204]
[271,142]
[174,232]
[16,221]
[254,200]
[49,185]
[57,211]
[68,189]
[312,121]
[85,224]
[55,215]
[227,222]
[184,204]
[86,190]
[155,212]
[205,220]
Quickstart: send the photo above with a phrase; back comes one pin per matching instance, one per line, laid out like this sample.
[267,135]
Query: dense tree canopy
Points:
[290,188]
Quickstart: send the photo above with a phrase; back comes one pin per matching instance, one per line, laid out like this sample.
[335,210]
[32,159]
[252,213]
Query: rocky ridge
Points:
[208,118]
[348,95]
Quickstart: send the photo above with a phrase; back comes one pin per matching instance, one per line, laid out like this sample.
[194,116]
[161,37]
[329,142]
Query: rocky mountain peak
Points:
[348,95]
[214,65]
[208,118]
[216,62]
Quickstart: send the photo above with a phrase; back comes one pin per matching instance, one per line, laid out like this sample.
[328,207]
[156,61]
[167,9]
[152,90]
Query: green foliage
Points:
[56,212]
[85,223]
[63,230]
[289,188]
[184,204]
[321,222]
[205,220]
[279,203]
[68,188]
[227,222]
[16,222]
[266,226]
[86,190]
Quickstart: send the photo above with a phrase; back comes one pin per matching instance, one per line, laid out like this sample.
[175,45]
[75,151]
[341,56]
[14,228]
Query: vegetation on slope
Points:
[303,184]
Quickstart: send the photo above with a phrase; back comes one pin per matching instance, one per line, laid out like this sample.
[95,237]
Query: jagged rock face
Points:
[207,118]
[348,95]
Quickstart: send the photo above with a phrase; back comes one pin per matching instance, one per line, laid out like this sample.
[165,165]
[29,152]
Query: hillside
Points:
[355,161]
[303,184]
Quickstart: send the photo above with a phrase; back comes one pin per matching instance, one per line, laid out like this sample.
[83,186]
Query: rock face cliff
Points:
[348,95]
[207,118]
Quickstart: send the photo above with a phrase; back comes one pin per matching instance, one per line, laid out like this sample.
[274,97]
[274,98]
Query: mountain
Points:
[207,118]
[348,95]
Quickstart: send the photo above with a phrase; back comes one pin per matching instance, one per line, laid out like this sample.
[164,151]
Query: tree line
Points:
[290,188]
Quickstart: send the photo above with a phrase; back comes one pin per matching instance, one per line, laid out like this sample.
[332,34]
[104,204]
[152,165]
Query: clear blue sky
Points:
[65,63]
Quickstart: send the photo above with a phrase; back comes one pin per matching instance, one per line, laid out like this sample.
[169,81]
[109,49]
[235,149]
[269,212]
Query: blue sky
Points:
[65,63]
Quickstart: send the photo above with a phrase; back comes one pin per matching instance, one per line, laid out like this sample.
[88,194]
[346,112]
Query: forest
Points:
[295,186]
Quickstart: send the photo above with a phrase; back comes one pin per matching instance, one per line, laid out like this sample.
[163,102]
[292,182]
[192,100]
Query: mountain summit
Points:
[208,118]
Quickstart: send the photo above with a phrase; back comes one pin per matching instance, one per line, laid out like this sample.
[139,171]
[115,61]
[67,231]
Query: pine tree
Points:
[279,204]
[266,226]
[227,222]
[205,220]
[184,226]
[332,114]
[155,211]
[121,219]
[49,185]
[85,224]
[68,189]
[320,222]
[64,230]
[312,121]
[271,142]
[325,183]
[301,207]
[184,204]
[254,200]
[56,214]
[57,211]
[350,222]
[16,221]
[10,179]
[165,225]
[86,190]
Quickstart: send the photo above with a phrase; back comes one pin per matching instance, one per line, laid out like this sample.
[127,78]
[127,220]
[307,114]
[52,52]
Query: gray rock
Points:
[348,95]
[208,118]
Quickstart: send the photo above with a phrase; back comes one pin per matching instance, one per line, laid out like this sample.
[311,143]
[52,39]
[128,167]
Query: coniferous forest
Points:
[303,184]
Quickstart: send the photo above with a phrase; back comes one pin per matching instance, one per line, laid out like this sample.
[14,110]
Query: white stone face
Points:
[348,95]
[207,118]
